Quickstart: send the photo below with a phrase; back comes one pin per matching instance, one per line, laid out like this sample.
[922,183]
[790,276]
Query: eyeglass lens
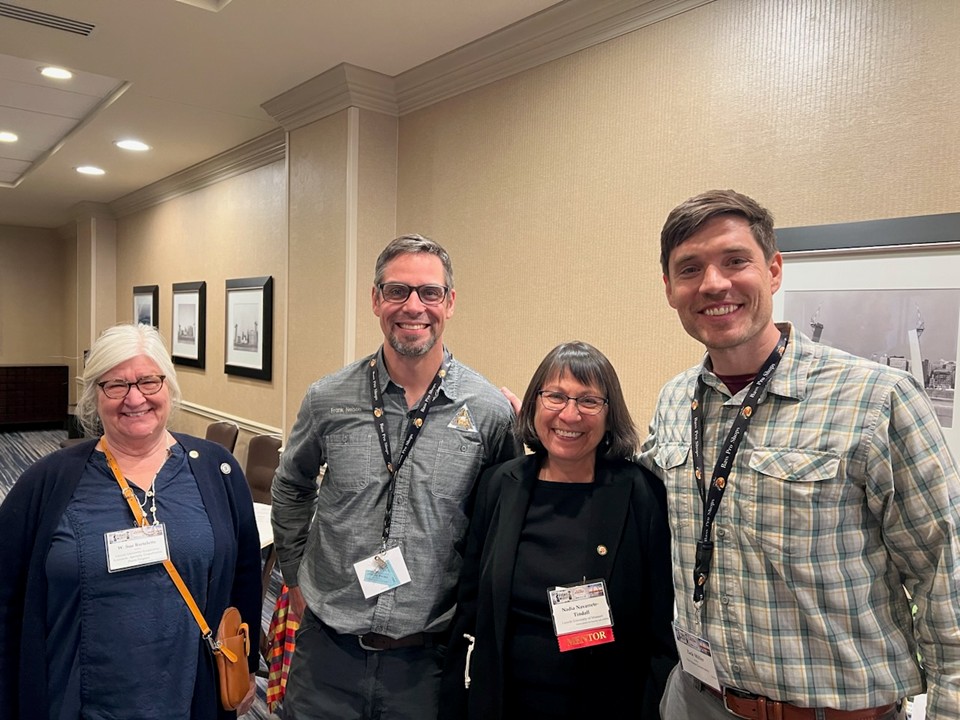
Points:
[399,292]
[116,389]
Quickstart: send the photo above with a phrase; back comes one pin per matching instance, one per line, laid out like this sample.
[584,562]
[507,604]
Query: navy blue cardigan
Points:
[30,514]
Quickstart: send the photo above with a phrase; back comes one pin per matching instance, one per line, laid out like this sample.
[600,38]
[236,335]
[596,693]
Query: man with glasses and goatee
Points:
[372,557]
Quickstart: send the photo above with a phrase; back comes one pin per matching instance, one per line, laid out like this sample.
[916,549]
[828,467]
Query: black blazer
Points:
[629,512]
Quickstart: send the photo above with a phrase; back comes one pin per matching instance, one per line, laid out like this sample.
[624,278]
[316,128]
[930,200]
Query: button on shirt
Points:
[843,493]
[468,428]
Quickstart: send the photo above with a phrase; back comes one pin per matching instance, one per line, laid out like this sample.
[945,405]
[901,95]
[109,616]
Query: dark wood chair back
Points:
[263,457]
[224,433]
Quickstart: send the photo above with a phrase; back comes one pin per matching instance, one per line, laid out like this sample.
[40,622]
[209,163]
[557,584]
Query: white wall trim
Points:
[330,92]
[251,155]
[556,32]
[251,426]
[352,209]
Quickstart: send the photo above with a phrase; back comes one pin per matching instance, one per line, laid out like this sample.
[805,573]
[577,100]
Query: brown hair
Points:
[690,215]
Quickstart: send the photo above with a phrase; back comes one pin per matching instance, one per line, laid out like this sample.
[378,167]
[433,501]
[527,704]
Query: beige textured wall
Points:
[377,213]
[32,296]
[317,294]
[234,229]
[549,188]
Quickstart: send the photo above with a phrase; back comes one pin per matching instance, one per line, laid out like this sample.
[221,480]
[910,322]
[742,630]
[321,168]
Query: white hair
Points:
[116,345]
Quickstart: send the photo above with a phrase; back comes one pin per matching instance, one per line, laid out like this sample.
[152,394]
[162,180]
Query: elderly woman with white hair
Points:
[91,624]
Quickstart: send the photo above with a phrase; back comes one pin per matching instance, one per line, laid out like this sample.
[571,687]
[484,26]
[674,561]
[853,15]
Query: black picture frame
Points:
[891,234]
[188,324]
[146,305]
[248,328]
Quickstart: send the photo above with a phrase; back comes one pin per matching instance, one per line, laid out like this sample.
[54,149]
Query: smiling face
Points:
[137,418]
[569,437]
[411,328]
[722,288]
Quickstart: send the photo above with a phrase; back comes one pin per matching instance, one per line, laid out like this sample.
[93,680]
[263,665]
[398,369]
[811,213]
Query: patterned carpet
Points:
[19,450]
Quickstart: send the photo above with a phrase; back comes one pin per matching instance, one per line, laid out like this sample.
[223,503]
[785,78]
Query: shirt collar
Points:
[790,378]
[448,386]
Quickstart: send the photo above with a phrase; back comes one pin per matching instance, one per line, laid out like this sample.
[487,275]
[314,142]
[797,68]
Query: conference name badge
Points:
[696,659]
[136,547]
[381,572]
[581,615]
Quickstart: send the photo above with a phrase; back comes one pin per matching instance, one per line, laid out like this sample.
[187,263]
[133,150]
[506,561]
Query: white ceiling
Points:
[188,81]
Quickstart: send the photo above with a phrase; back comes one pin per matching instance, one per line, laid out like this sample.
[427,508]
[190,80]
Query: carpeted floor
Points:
[19,450]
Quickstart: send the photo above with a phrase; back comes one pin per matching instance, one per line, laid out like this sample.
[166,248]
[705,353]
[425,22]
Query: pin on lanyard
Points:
[711,497]
[413,431]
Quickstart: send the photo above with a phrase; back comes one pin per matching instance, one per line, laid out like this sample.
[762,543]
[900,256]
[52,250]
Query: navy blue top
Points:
[137,614]
[29,518]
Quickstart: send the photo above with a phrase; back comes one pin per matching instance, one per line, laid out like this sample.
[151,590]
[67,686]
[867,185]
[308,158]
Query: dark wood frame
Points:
[265,285]
[153,292]
[200,290]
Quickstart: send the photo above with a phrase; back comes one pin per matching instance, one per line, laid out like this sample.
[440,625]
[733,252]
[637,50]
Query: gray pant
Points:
[684,700]
[332,677]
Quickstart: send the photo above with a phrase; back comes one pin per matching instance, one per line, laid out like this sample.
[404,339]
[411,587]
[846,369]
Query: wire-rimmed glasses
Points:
[586,404]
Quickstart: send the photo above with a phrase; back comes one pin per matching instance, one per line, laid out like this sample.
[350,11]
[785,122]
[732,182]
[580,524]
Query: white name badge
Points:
[381,572]
[136,547]
[581,615]
[695,656]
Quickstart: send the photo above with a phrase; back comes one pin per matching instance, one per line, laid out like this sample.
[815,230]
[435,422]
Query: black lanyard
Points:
[718,481]
[413,430]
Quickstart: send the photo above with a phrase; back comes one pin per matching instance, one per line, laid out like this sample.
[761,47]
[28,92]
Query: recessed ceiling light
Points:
[90,170]
[8,136]
[132,145]
[57,73]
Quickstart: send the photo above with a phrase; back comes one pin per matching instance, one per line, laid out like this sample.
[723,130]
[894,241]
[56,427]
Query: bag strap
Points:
[215,645]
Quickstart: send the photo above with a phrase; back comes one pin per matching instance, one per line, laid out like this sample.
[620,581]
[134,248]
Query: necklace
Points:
[149,495]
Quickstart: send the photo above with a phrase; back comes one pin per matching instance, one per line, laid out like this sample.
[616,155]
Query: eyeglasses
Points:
[394,292]
[119,389]
[557,401]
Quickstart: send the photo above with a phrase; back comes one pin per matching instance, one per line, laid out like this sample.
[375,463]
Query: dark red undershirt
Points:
[736,383]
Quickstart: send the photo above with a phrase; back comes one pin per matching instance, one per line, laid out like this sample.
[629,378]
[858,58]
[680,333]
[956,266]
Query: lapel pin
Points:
[601,550]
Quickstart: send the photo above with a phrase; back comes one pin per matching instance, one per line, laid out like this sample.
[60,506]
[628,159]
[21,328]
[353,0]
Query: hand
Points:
[248,699]
[514,400]
[297,603]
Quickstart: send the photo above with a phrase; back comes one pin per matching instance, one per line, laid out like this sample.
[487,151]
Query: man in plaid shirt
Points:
[813,502]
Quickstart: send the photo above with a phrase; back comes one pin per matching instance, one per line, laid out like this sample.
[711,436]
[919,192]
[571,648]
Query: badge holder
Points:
[381,572]
[581,615]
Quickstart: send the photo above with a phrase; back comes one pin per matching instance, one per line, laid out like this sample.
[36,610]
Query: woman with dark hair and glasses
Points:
[565,598]
[91,624]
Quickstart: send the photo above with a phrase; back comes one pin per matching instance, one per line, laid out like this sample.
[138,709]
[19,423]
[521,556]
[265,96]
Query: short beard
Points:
[411,350]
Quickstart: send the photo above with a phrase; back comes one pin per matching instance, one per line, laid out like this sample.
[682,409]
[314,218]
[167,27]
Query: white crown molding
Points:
[332,91]
[553,33]
[243,158]
[556,32]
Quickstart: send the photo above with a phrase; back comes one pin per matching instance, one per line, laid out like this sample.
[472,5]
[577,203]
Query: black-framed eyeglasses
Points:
[118,389]
[395,292]
[557,401]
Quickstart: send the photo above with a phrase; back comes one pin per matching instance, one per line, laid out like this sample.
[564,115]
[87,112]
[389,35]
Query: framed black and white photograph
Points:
[189,325]
[892,297]
[146,305]
[249,328]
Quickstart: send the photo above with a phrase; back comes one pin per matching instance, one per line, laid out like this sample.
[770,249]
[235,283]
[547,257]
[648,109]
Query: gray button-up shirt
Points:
[469,427]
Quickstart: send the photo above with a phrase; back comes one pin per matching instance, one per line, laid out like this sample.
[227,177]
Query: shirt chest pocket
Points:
[677,474]
[348,461]
[459,459]
[790,495]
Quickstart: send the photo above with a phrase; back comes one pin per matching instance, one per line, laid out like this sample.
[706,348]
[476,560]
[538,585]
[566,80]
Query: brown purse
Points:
[232,644]
[233,638]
